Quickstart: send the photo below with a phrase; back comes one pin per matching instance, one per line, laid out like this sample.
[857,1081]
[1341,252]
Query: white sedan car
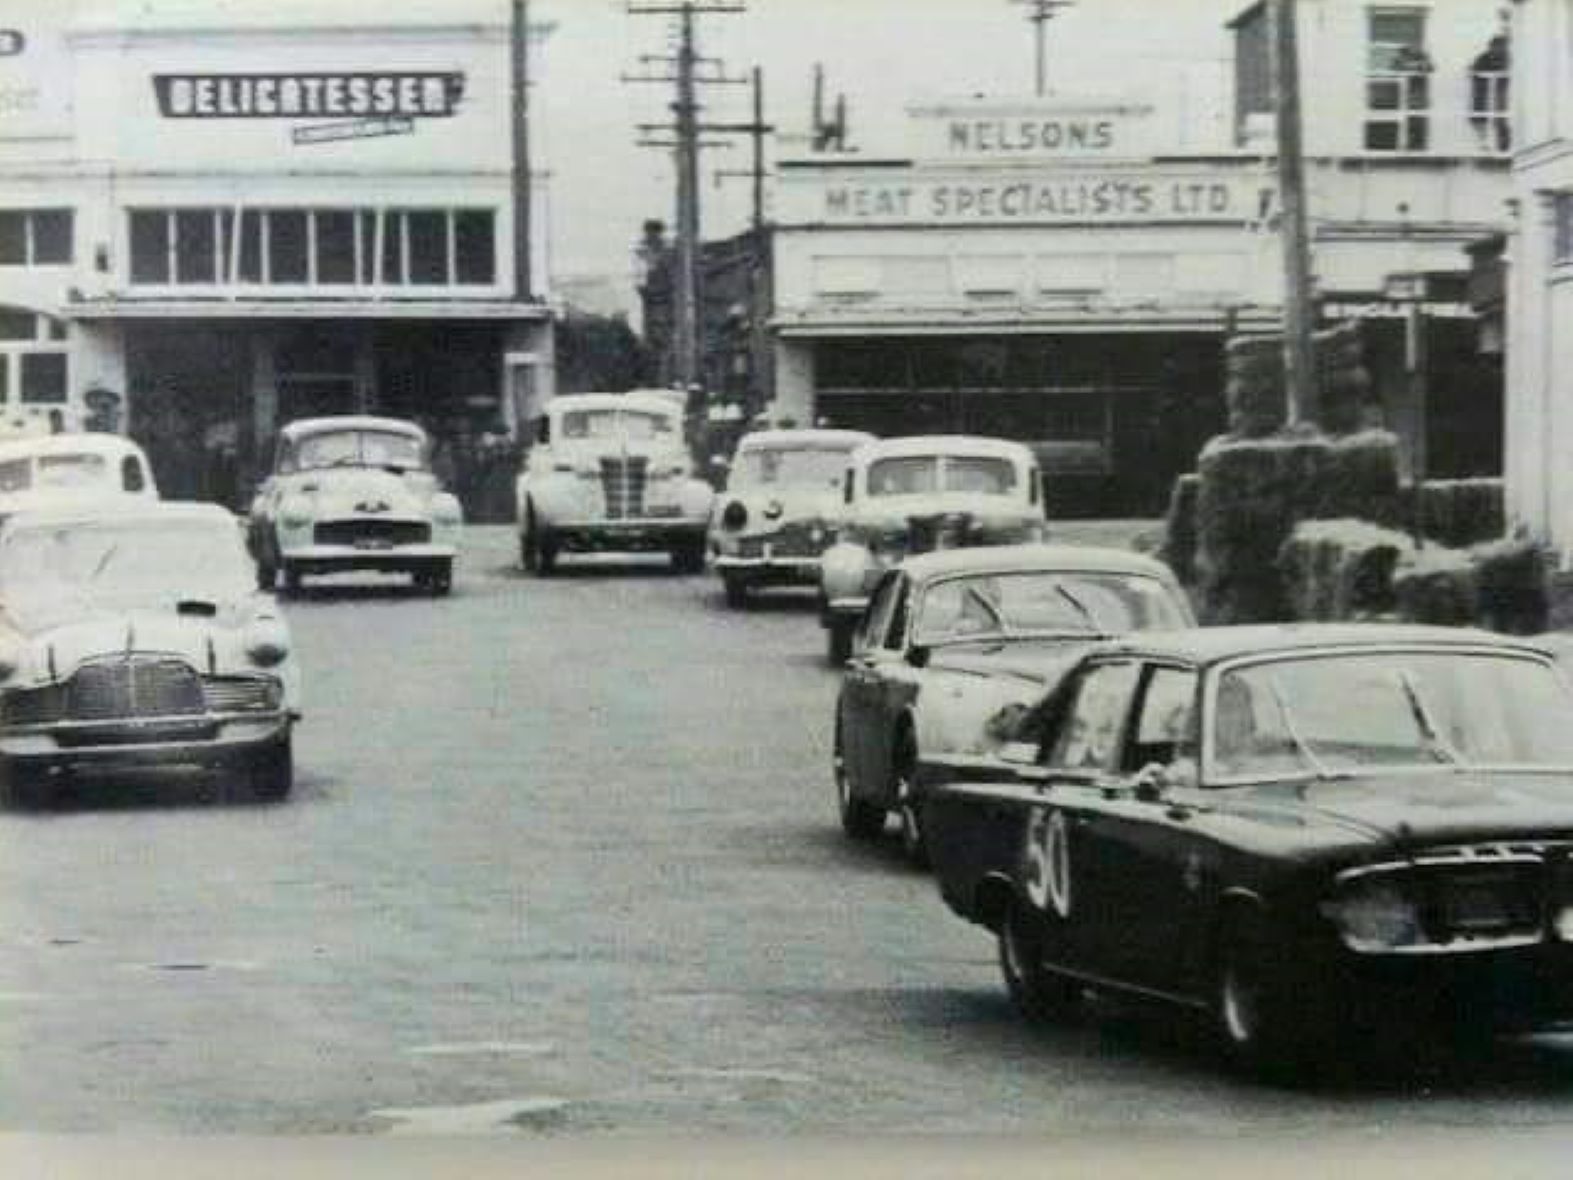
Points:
[133,636]
[354,493]
[63,470]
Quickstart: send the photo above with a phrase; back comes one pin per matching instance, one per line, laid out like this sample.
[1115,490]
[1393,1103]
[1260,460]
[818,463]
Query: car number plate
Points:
[373,543]
[769,551]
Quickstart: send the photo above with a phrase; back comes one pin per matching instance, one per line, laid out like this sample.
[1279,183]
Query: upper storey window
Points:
[1489,110]
[1398,81]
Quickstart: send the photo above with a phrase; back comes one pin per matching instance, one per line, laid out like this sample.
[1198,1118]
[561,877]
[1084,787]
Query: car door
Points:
[859,687]
[1141,836]
[1059,873]
[893,687]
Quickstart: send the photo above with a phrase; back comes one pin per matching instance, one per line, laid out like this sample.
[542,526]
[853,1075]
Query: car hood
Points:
[1439,807]
[54,647]
[795,504]
[360,489]
[899,511]
[1043,661]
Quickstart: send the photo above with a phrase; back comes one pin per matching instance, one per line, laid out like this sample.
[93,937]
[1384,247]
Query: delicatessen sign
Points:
[411,95]
[1089,197]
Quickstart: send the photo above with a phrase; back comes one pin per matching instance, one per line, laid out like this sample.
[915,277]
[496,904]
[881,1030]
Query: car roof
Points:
[127,510]
[69,443]
[947,444]
[806,437]
[302,426]
[991,559]
[1211,645]
[658,400]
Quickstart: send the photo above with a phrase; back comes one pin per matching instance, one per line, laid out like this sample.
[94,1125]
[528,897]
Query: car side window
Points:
[876,617]
[846,490]
[896,629]
[1166,720]
[131,474]
[1089,737]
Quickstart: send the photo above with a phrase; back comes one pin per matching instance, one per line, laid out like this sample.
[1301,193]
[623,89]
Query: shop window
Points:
[35,237]
[366,232]
[475,248]
[1398,81]
[150,243]
[18,325]
[196,246]
[43,377]
[335,246]
[287,246]
[393,248]
[1489,104]
[252,229]
[428,242]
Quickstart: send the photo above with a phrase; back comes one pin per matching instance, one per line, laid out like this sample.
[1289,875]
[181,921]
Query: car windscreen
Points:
[794,467]
[359,448]
[78,470]
[1392,709]
[1001,605]
[612,423]
[115,563]
[915,475]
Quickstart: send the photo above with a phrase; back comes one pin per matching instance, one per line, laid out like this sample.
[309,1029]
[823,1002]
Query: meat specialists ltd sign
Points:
[360,103]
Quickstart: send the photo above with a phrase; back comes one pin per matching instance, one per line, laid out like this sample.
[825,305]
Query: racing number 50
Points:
[1048,875]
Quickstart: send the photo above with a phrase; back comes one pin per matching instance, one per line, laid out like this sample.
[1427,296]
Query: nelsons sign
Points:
[412,95]
[1027,132]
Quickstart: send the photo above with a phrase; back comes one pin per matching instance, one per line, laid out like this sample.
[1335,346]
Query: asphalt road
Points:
[562,860]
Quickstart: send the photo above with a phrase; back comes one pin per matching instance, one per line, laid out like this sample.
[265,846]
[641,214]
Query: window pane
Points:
[13,239]
[1399,27]
[428,247]
[54,329]
[1381,137]
[5,378]
[393,248]
[367,226]
[474,244]
[1419,88]
[250,246]
[43,376]
[149,247]
[1383,96]
[335,246]
[287,246]
[1418,136]
[18,325]
[196,247]
[52,236]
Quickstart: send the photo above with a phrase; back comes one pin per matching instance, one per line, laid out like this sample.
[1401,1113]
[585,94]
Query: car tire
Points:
[736,591]
[270,771]
[909,811]
[839,632]
[27,788]
[1039,994]
[267,576]
[859,820]
[688,557]
[437,579]
[292,577]
[1262,1030]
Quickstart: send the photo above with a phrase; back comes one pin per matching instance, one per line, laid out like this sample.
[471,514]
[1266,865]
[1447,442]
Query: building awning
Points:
[306,309]
[865,321]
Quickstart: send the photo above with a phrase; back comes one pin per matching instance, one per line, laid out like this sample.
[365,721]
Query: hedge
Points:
[1179,530]
[1511,586]
[1437,585]
[1254,385]
[1252,494]
[1340,569]
[1459,512]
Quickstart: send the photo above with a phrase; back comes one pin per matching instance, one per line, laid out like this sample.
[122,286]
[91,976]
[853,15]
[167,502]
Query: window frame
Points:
[1408,114]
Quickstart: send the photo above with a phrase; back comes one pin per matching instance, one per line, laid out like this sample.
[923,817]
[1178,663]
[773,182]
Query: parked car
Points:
[354,492]
[1310,833]
[952,638]
[61,470]
[780,508]
[133,635]
[910,495]
[611,472]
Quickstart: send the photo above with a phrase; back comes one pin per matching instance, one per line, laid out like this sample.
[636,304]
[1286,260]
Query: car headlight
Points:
[735,515]
[266,642]
[295,513]
[1375,914]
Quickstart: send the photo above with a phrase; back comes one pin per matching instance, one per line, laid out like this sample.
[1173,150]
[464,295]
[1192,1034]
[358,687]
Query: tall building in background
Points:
[216,218]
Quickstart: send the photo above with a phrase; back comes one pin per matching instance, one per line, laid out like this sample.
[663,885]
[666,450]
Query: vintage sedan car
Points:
[910,495]
[611,472]
[354,492]
[134,636]
[1312,834]
[65,470]
[951,639]
[780,508]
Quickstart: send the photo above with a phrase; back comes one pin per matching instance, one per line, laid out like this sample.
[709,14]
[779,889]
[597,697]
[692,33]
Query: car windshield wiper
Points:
[1439,747]
[1323,771]
[1081,608]
[104,561]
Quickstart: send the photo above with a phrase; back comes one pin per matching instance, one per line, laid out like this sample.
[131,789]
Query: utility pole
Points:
[523,284]
[1040,13]
[688,366]
[1299,360]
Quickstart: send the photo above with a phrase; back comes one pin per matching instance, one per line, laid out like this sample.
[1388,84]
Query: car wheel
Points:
[527,560]
[914,845]
[292,578]
[29,788]
[270,771]
[736,591]
[1260,1030]
[439,578]
[1039,994]
[688,557]
[267,576]
[859,820]
[839,634]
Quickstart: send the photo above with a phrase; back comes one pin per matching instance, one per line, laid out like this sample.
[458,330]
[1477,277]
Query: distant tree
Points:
[599,353]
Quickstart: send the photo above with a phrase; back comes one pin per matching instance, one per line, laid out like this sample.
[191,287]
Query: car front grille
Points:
[798,539]
[372,532]
[623,484]
[240,694]
[118,688]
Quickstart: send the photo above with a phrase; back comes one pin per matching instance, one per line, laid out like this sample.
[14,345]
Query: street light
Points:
[1412,288]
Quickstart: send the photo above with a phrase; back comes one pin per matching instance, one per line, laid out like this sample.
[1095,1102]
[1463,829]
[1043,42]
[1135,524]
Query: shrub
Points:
[1179,530]
[1340,569]
[1438,586]
[1459,512]
[1511,586]
[1254,385]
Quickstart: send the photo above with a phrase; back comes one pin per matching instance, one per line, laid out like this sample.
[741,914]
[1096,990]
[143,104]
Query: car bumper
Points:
[624,535]
[841,610]
[768,569]
[172,741]
[323,558]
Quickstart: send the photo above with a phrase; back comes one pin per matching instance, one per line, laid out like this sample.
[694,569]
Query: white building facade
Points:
[215,218]
[1539,475]
[1065,271]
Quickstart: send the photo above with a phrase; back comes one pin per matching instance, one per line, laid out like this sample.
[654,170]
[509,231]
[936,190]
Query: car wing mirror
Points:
[1151,782]
[918,655]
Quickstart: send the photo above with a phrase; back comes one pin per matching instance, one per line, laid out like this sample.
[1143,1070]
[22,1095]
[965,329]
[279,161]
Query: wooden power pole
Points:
[1299,359]
[523,284]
